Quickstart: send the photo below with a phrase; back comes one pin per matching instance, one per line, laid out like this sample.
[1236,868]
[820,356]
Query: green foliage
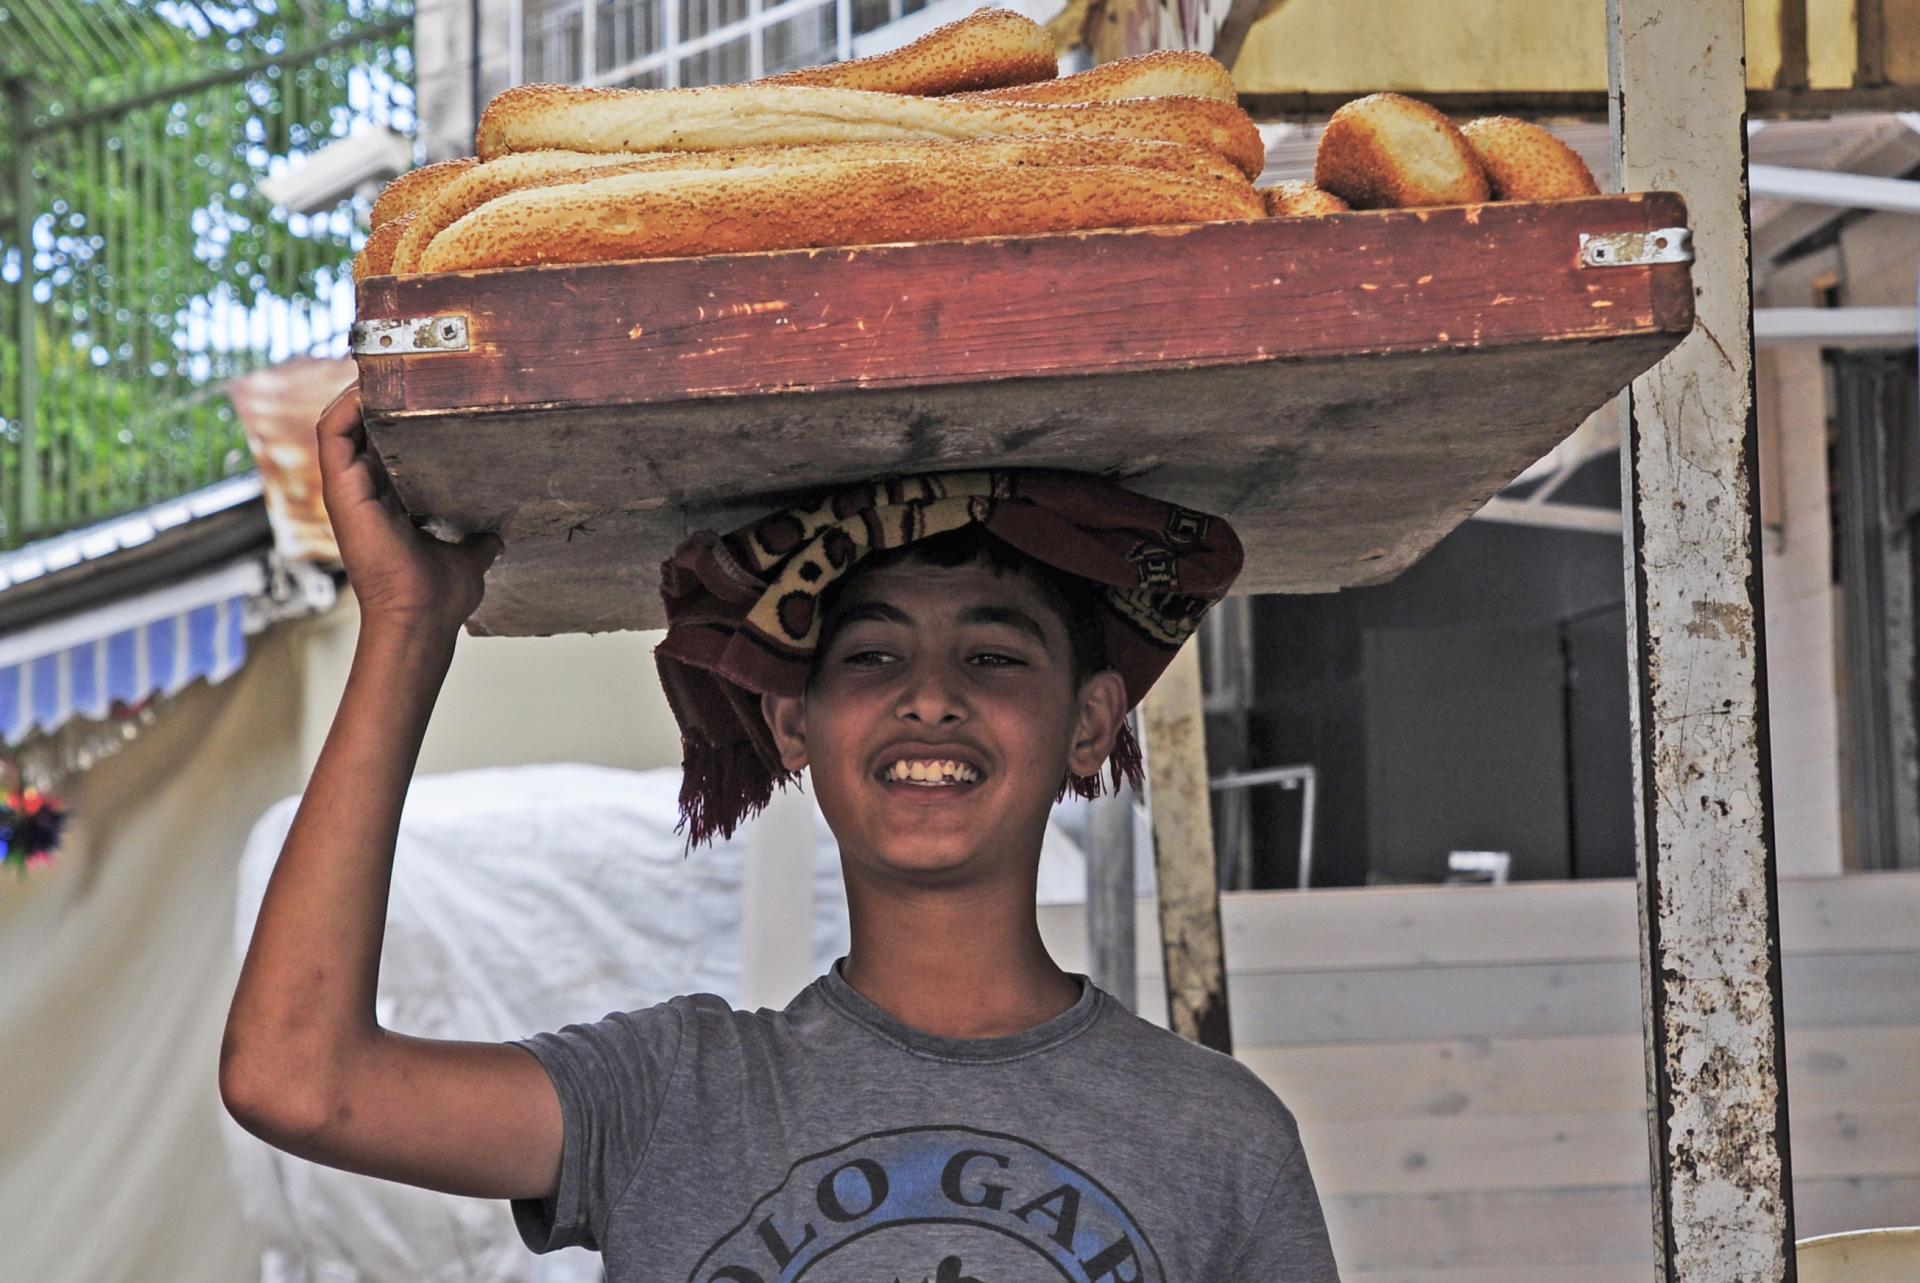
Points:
[156,268]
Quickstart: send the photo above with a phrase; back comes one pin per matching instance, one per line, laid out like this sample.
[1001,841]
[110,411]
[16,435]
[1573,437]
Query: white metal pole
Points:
[1837,326]
[516,42]
[756,41]
[1710,952]
[1830,187]
[670,40]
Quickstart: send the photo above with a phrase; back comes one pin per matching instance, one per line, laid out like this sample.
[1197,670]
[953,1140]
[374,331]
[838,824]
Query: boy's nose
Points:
[926,697]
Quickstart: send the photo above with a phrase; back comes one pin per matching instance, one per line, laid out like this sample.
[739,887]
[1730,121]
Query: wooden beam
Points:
[1710,956]
[1173,732]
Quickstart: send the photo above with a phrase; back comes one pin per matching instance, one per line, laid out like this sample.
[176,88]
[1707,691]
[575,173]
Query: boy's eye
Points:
[994,659]
[866,658]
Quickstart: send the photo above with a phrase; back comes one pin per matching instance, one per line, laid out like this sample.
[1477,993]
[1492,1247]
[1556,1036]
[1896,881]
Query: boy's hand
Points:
[399,573]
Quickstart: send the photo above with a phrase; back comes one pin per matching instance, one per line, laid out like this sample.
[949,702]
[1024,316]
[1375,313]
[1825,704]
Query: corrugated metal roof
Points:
[97,616]
[101,541]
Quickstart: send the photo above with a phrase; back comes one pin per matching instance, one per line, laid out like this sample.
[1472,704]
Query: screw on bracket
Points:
[409,334]
[1636,249]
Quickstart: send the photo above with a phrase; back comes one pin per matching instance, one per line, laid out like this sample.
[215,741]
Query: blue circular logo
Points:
[870,1207]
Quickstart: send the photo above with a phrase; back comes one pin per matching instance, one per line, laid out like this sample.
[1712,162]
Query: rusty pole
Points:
[1710,952]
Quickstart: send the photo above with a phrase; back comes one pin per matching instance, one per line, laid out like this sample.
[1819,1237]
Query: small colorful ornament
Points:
[30,825]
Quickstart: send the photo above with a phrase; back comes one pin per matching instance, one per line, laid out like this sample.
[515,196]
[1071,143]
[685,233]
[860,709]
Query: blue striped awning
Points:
[154,643]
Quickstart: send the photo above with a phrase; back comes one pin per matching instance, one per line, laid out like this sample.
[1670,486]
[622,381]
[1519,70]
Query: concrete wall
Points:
[512,700]
[118,965]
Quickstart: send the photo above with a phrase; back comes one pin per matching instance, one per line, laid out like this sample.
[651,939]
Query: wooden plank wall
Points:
[1466,1064]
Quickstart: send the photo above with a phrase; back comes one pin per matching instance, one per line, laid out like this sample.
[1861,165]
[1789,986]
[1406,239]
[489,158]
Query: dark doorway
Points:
[1477,702]
[1599,744]
[1877,509]
[1466,749]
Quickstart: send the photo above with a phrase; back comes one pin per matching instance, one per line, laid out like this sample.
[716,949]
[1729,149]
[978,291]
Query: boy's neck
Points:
[955,965]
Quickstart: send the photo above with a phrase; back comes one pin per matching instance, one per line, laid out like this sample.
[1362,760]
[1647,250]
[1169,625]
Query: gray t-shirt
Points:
[832,1143]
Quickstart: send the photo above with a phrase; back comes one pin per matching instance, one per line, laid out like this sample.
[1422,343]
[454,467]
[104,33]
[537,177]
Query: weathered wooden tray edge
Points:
[516,590]
[796,321]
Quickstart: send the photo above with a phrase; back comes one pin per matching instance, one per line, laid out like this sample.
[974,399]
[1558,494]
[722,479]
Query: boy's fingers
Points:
[339,431]
[351,390]
[343,411]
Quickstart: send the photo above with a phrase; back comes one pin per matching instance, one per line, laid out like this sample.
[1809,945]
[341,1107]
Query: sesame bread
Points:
[1386,151]
[535,117]
[987,48]
[676,213]
[1525,162]
[531,169]
[1149,75]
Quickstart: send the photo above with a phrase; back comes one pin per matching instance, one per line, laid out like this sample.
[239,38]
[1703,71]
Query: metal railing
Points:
[141,269]
[656,44]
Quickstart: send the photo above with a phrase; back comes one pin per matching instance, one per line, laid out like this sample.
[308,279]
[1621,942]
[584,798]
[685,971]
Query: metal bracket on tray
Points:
[1636,249]
[409,334]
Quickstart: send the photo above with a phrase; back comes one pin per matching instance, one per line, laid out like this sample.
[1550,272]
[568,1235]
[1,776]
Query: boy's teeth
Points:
[932,771]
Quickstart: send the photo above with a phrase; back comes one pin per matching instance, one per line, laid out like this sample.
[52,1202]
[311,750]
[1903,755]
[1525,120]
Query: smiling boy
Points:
[943,656]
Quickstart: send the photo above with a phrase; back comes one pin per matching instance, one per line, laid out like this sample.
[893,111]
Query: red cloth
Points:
[742,608]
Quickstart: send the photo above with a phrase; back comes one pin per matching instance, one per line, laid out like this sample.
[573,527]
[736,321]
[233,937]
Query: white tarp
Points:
[523,898]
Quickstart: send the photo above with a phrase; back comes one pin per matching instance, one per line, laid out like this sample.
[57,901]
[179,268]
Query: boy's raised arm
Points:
[304,1064]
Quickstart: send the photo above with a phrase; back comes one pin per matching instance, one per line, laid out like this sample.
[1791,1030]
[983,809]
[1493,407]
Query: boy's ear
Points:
[1103,711]
[786,718]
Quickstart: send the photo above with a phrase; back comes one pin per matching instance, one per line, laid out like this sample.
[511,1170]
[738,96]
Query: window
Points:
[652,44]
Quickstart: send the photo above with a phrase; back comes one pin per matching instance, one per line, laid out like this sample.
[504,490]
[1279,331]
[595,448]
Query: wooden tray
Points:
[1346,390]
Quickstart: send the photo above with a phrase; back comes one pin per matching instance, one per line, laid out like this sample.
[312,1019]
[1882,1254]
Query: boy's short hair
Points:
[1073,599]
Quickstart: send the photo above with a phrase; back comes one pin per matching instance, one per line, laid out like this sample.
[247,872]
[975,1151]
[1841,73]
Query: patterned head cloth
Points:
[743,609]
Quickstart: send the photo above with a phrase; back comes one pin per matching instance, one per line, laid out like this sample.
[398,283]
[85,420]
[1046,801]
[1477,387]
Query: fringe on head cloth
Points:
[743,609]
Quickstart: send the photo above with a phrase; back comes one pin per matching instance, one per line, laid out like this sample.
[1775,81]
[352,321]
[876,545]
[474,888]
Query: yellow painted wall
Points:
[1462,46]
[1537,46]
